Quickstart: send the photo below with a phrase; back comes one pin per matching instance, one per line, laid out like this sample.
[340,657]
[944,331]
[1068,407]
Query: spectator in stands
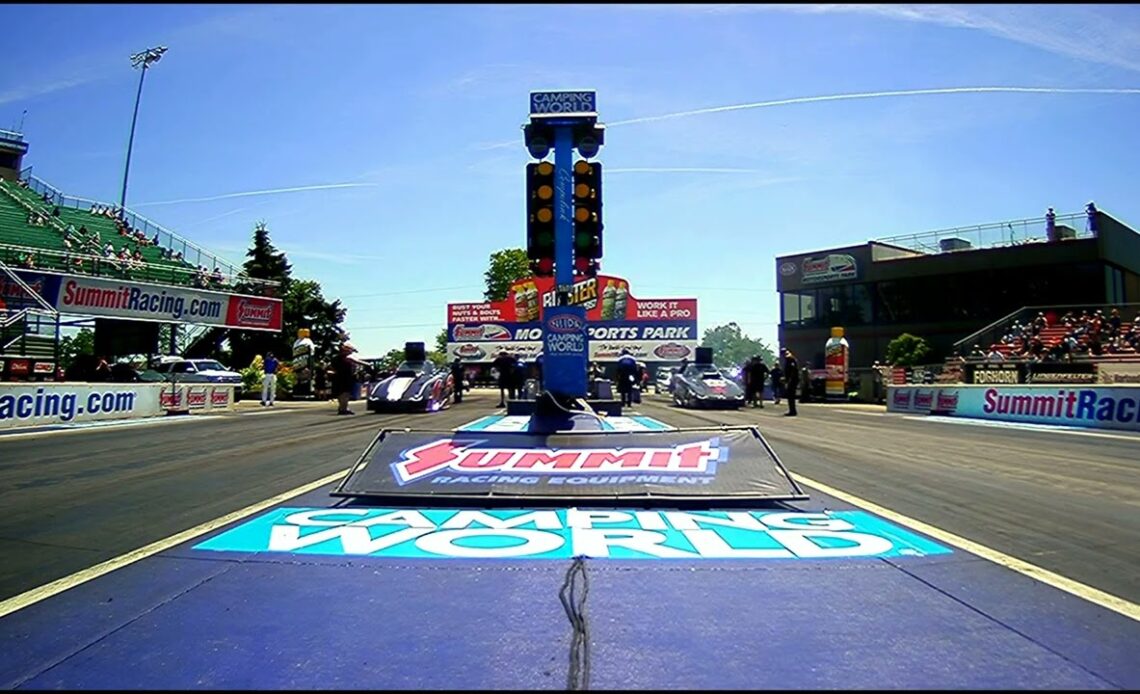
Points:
[178,256]
[154,241]
[1090,211]
[1114,323]
[217,276]
[55,211]
[995,354]
[109,250]
[1050,225]
[976,352]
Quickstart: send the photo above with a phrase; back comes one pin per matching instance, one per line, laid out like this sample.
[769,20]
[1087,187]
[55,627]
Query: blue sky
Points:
[419,108]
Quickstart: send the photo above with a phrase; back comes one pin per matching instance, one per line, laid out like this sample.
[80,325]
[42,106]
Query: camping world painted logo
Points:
[463,455]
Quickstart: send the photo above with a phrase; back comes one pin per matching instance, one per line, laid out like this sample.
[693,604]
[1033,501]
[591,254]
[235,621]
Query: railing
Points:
[100,266]
[992,333]
[996,235]
[33,321]
[191,253]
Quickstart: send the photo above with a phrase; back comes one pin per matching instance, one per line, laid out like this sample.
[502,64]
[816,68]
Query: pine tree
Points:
[265,261]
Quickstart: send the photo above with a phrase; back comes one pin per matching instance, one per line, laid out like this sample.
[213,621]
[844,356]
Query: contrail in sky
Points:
[871,95]
[250,193]
[842,97]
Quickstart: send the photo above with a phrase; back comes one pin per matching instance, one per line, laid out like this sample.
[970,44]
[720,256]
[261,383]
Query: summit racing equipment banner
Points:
[652,329]
[565,533]
[109,298]
[728,463]
[1101,407]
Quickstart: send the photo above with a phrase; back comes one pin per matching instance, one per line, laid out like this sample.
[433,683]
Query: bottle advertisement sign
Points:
[658,330]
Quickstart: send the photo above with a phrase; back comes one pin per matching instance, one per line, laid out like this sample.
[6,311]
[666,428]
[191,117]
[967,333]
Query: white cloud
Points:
[1099,34]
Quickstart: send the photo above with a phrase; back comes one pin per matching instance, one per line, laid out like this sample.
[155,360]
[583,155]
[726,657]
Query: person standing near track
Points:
[457,376]
[268,380]
[757,374]
[343,378]
[792,374]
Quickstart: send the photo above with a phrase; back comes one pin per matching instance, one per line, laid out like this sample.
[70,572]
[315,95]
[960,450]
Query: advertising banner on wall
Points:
[1101,407]
[111,298]
[658,330]
[39,404]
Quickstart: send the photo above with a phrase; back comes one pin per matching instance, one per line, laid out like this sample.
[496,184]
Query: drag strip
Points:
[1062,502]
[73,501]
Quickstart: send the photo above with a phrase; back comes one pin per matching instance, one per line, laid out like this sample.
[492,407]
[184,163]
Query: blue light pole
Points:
[143,60]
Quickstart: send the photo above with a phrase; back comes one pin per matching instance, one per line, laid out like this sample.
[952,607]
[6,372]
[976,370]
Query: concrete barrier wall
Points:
[39,404]
[1097,407]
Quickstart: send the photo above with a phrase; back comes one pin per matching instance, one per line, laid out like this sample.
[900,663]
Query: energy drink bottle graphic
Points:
[521,311]
[609,295]
[621,298]
[532,302]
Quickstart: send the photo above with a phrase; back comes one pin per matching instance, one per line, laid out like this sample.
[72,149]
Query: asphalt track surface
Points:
[1062,501]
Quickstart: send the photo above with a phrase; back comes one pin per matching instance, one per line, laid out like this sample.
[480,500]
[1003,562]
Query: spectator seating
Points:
[17,203]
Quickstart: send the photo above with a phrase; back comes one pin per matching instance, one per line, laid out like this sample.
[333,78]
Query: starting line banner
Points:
[566,533]
[40,404]
[110,298]
[1097,407]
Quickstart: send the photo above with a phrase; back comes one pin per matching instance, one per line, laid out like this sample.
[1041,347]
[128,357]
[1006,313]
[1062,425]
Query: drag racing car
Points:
[703,385]
[416,386]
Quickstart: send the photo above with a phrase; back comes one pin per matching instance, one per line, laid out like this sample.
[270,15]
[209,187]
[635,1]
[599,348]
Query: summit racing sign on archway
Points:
[723,462]
[565,533]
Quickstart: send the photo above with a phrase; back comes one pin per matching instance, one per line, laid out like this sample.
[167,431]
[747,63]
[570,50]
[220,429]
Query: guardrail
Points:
[100,266]
[1016,232]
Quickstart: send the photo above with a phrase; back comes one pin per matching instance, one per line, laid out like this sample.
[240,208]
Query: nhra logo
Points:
[487,331]
[788,269]
[923,401]
[196,396]
[568,323]
[947,402]
[461,455]
[672,351]
[220,396]
[901,399]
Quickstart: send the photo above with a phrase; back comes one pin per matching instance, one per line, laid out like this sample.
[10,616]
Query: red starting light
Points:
[546,266]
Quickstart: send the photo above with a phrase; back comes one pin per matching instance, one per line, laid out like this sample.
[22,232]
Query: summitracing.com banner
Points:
[109,298]
[1100,407]
[653,330]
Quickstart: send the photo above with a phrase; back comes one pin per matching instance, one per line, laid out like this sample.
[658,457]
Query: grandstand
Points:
[44,229]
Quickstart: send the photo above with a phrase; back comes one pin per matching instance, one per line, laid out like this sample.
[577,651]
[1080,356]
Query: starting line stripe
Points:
[1093,595]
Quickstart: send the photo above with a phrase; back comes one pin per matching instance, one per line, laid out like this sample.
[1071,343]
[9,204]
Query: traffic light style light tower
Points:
[540,218]
[568,120]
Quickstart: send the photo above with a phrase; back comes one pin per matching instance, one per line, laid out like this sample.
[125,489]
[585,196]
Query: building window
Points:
[798,308]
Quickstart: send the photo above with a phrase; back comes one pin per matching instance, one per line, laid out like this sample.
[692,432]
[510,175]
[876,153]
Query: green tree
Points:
[265,261]
[303,306]
[441,341]
[907,350]
[392,359]
[72,346]
[731,345]
[505,267]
